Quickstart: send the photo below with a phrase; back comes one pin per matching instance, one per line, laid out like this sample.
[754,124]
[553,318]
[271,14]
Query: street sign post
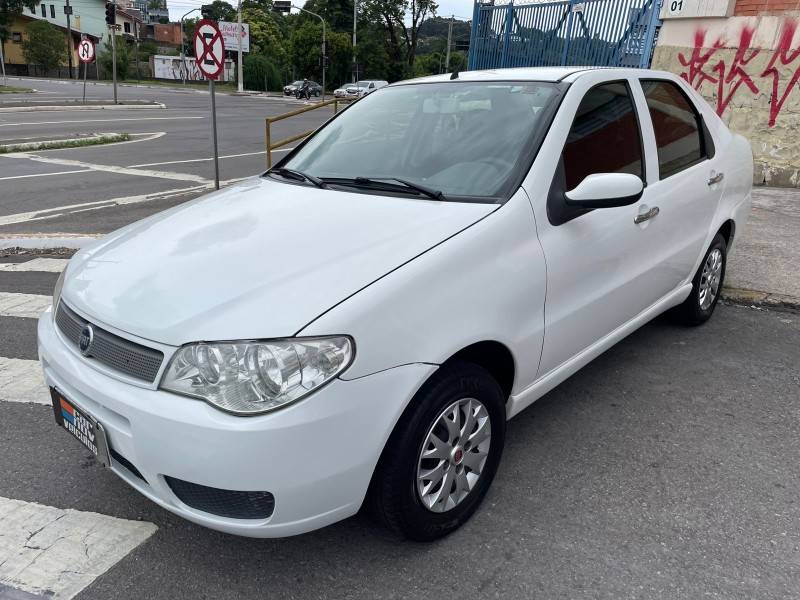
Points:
[86,54]
[209,52]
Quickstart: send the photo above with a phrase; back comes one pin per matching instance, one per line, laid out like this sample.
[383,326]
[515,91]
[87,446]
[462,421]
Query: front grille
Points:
[111,350]
[223,503]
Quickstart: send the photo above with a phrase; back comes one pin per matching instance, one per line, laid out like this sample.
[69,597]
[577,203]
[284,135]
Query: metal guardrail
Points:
[270,120]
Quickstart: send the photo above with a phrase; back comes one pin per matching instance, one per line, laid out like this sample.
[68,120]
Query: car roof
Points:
[550,74]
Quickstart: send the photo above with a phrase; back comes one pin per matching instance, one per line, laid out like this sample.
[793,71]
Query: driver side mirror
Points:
[606,190]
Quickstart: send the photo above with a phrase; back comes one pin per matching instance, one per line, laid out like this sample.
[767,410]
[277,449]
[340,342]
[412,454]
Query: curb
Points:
[66,107]
[45,241]
[760,299]
[28,146]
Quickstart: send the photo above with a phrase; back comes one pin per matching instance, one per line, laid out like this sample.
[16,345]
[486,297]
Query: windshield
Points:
[298,82]
[362,83]
[462,139]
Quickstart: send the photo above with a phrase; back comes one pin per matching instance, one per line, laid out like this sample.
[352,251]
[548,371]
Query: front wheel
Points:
[706,285]
[442,456]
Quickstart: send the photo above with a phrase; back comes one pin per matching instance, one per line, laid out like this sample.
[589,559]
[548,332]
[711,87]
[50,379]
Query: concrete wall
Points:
[748,68]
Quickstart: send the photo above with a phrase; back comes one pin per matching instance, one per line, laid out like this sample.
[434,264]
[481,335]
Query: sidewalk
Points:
[764,267]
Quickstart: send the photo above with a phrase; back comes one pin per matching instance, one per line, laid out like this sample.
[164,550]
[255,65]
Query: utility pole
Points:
[239,68]
[355,60]
[183,47]
[449,37]
[111,23]
[136,31]
[3,61]
[70,45]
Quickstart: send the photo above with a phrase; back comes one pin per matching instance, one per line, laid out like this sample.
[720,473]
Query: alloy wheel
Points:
[453,455]
[710,279]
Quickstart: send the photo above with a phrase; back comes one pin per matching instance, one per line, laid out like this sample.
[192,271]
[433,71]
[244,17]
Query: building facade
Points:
[743,56]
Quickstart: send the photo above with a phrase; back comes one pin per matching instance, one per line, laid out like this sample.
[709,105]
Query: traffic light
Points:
[282,6]
[206,11]
[111,13]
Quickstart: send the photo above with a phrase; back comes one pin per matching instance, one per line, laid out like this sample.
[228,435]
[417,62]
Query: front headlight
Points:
[248,378]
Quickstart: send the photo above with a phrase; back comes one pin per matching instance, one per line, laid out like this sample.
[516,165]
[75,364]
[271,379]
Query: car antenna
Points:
[454,75]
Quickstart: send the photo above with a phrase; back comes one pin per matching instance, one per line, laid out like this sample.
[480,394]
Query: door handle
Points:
[716,178]
[641,218]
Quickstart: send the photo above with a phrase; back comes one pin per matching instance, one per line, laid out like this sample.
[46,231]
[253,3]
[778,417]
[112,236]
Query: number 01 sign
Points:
[675,6]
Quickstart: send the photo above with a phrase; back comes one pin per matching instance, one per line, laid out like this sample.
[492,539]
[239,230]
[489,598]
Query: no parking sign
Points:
[209,49]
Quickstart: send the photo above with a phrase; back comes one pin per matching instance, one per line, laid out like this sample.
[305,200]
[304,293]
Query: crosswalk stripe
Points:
[57,552]
[22,381]
[48,265]
[23,305]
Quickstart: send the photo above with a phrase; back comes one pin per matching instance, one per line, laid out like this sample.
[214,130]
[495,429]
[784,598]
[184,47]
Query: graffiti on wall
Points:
[705,65]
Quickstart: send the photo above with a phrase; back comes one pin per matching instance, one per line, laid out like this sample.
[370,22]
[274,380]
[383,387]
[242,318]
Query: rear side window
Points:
[604,137]
[677,126]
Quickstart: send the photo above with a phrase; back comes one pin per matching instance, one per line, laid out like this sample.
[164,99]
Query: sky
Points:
[460,8]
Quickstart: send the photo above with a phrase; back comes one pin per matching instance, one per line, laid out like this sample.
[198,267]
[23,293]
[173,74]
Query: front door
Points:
[600,263]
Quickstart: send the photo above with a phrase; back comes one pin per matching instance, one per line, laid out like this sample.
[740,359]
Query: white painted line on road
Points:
[99,121]
[22,381]
[58,552]
[113,168]
[44,174]
[23,305]
[46,265]
[47,240]
[195,160]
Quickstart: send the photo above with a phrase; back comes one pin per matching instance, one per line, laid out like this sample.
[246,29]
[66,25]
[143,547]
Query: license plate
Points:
[82,426]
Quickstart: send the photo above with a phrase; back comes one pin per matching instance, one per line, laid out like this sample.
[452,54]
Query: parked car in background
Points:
[354,327]
[340,92]
[314,87]
[364,87]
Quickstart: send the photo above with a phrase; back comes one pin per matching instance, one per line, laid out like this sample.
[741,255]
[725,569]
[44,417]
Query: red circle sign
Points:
[86,51]
[209,49]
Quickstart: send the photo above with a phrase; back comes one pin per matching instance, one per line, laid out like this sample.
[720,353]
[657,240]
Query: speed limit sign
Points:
[675,6]
[86,51]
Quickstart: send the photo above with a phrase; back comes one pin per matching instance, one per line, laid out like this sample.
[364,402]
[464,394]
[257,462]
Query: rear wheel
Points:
[706,285]
[442,457]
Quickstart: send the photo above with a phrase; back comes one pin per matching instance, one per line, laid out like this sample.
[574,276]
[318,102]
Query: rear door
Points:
[687,180]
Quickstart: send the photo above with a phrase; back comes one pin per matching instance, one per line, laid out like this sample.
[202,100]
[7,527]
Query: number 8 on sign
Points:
[209,49]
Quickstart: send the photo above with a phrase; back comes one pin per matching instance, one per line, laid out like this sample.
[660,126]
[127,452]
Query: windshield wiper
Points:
[371,181]
[298,176]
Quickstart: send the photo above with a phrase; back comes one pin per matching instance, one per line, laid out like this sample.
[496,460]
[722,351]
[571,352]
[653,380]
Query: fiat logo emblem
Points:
[86,339]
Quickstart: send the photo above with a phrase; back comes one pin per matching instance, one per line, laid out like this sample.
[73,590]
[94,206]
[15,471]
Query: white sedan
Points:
[355,326]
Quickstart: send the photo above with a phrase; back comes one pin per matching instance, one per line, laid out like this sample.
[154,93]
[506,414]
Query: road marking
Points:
[47,265]
[22,381]
[45,174]
[57,552]
[66,162]
[23,305]
[58,211]
[195,160]
[99,121]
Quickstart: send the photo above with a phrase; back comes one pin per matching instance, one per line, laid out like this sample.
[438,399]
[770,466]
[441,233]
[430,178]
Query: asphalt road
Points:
[668,468]
[167,161]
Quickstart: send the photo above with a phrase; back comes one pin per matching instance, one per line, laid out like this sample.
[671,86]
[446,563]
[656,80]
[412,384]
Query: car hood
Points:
[259,259]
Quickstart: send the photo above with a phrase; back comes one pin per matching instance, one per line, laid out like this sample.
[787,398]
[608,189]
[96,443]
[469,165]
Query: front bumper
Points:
[316,456]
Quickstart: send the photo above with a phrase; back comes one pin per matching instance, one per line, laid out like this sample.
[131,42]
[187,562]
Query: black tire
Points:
[692,312]
[393,497]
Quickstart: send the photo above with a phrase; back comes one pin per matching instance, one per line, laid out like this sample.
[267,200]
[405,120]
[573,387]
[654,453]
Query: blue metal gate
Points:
[563,32]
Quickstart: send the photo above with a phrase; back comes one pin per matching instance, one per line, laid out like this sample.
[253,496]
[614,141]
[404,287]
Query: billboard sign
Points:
[230,34]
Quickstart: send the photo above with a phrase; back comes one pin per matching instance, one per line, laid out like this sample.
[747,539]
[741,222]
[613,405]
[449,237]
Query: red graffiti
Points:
[704,65]
[786,56]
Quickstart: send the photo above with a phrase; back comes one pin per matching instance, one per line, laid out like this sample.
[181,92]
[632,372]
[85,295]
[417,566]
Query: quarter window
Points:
[676,125]
[604,137]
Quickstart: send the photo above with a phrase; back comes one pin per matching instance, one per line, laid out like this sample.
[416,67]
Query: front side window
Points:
[460,138]
[676,125]
[604,137]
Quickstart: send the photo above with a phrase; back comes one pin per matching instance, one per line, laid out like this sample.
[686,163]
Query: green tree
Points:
[219,10]
[45,47]
[261,74]
[266,35]
[189,25]
[123,58]
[401,21]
